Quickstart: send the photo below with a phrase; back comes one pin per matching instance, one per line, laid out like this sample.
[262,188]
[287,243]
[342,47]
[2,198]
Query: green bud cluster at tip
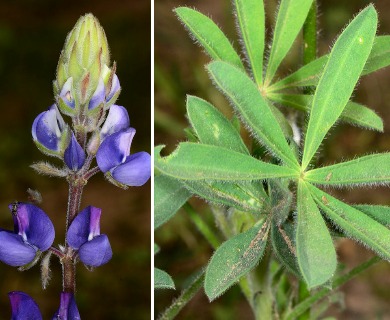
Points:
[83,67]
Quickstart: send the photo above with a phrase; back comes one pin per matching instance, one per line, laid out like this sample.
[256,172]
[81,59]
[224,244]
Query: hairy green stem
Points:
[262,287]
[307,303]
[186,295]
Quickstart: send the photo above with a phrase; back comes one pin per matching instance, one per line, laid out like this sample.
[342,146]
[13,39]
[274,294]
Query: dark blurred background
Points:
[32,34]
[179,70]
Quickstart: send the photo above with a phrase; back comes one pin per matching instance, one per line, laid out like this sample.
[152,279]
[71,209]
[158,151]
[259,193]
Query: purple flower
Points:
[117,119]
[23,306]
[74,155]
[98,97]
[68,308]
[113,156]
[84,236]
[33,231]
[49,131]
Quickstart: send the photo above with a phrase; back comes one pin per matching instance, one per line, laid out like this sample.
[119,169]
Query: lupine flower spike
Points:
[86,88]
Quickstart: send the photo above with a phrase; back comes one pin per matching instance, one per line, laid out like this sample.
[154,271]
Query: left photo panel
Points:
[75,164]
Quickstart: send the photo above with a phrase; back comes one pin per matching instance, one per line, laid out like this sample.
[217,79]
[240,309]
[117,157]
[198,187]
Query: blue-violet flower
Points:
[83,235]
[68,308]
[23,306]
[49,132]
[114,156]
[33,231]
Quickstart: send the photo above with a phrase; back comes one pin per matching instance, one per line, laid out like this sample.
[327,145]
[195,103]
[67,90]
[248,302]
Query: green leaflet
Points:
[252,108]
[378,213]
[283,244]
[315,251]
[309,74]
[234,258]
[354,223]
[212,127]
[251,20]
[162,280]
[247,196]
[290,19]
[209,36]
[192,161]
[169,196]
[342,71]
[353,112]
[380,55]
[371,169]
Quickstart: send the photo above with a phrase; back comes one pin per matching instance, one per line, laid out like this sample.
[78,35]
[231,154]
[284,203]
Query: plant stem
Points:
[202,226]
[307,303]
[68,272]
[91,172]
[76,186]
[186,295]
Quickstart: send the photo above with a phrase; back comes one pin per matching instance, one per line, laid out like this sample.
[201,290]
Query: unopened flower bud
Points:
[74,155]
[85,83]
[68,308]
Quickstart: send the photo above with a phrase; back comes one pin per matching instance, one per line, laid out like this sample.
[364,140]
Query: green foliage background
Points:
[32,34]
[179,71]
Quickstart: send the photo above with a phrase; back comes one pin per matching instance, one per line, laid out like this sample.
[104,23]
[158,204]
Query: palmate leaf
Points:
[169,196]
[309,74]
[353,112]
[290,19]
[354,223]
[315,251]
[192,161]
[252,108]
[369,170]
[162,280]
[251,22]
[209,36]
[342,71]
[234,258]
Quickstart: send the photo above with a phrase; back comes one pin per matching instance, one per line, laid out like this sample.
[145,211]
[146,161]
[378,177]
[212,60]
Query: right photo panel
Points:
[271,160]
